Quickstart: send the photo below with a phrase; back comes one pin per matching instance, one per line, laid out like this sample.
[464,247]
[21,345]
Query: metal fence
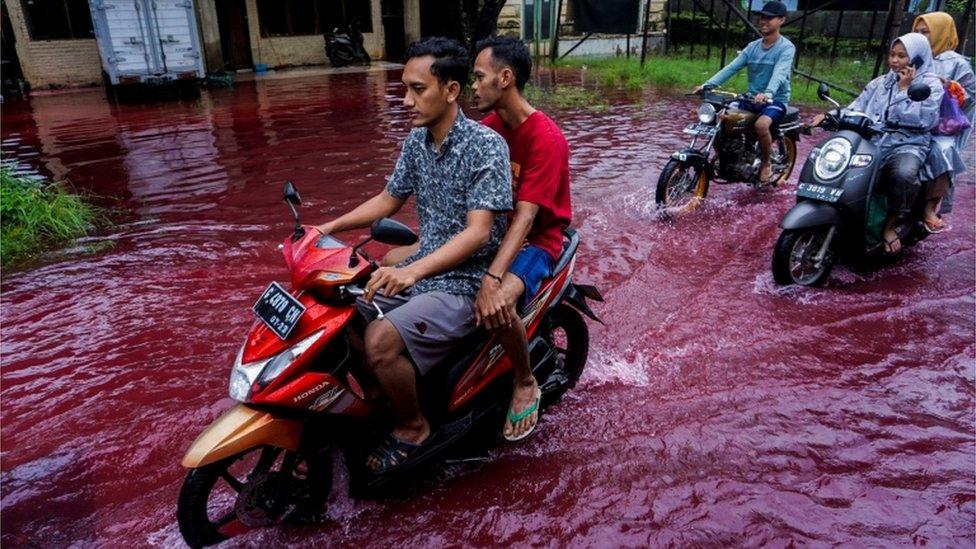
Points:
[822,31]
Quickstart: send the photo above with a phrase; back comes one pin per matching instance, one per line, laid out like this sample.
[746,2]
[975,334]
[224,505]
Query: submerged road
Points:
[716,409]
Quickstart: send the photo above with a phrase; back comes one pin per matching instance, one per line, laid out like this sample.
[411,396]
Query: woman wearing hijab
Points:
[885,99]
[944,162]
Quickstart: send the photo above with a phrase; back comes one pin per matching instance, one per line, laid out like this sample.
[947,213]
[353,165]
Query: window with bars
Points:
[309,17]
[58,19]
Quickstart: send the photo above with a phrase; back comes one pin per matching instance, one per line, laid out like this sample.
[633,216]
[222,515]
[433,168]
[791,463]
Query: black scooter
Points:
[838,214]
[345,48]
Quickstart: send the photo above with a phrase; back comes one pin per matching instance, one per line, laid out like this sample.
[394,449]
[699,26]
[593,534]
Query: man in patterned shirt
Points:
[458,170]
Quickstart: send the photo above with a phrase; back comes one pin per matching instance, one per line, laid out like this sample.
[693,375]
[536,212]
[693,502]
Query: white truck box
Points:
[147,41]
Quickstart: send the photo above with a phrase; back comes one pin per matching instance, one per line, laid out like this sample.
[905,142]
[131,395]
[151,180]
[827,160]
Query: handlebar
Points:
[354,291]
[724,97]
[834,121]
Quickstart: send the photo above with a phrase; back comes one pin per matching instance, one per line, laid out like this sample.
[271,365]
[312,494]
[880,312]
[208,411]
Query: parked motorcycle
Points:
[728,153]
[296,382]
[345,47]
[838,215]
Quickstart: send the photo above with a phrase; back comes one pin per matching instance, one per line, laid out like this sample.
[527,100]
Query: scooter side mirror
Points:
[823,91]
[919,91]
[293,199]
[393,232]
[291,195]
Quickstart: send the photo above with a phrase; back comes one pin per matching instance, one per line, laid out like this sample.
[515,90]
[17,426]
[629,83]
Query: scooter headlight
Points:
[706,113]
[263,372]
[833,158]
[242,377]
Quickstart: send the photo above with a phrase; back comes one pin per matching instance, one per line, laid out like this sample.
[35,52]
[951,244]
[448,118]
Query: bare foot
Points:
[413,434]
[892,244]
[934,223]
[523,397]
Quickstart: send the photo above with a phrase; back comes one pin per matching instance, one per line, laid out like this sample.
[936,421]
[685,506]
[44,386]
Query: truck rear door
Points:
[123,38]
[175,30]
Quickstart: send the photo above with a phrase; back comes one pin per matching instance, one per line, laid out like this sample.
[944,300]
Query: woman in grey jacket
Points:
[885,99]
[944,162]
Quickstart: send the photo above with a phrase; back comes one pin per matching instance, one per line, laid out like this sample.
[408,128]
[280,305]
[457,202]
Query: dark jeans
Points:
[899,180]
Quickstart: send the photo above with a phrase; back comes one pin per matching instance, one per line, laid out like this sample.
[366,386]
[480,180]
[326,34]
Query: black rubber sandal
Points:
[392,453]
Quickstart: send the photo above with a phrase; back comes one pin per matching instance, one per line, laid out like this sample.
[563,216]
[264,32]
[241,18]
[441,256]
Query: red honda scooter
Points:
[295,379]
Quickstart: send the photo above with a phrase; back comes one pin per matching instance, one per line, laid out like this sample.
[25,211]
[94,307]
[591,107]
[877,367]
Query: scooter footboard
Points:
[238,429]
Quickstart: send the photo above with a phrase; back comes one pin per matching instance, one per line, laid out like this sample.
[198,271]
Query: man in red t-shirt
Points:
[540,176]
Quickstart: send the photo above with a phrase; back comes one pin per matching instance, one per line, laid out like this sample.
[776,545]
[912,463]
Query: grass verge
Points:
[681,73]
[565,96]
[36,216]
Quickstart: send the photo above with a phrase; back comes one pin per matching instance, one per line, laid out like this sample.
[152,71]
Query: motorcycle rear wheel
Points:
[570,339]
[788,147]
[339,57]
[681,187]
[793,257]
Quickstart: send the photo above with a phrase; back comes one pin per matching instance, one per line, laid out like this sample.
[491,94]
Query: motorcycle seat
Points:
[437,385]
[792,114]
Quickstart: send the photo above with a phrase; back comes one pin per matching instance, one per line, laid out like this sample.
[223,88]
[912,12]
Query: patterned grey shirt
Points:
[470,172]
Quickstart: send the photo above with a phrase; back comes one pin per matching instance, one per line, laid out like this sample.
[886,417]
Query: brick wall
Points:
[54,63]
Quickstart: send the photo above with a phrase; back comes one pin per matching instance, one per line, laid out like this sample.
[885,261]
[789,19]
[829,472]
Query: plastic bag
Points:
[951,118]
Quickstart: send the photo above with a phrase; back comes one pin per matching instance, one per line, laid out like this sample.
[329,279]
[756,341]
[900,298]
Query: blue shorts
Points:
[775,110]
[532,265]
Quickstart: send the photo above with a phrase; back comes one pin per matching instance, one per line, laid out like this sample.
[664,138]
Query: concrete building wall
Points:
[71,63]
[286,51]
[209,29]
[510,23]
[54,63]
[411,20]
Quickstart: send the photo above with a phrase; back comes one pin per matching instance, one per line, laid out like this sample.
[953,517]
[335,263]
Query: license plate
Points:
[279,310]
[819,192]
[701,129]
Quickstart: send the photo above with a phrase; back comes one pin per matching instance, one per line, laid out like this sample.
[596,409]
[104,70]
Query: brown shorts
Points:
[430,324]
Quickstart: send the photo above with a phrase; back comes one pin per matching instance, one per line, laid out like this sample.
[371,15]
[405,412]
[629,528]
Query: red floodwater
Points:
[716,409]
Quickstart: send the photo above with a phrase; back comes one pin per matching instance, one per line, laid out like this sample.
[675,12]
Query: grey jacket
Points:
[883,101]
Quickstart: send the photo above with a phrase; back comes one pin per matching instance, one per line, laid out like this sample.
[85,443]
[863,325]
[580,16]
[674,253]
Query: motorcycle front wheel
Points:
[252,489]
[681,187]
[794,257]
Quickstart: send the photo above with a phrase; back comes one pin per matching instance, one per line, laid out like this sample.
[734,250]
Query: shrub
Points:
[37,215]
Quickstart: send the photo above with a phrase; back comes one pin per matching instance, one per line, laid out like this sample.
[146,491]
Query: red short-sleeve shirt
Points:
[540,174]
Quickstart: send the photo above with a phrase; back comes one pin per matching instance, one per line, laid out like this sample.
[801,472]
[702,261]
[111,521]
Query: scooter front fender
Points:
[811,213]
[238,429]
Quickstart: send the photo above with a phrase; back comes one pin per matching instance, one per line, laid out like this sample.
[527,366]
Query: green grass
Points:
[681,73]
[35,216]
[565,97]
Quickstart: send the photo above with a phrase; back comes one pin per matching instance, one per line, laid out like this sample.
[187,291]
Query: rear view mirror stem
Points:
[291,198]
